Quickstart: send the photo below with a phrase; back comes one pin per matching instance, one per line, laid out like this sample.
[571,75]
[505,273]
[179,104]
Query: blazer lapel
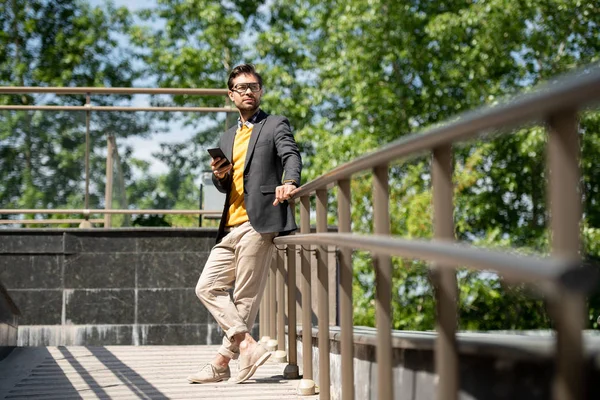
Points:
[228,142]
[258,125]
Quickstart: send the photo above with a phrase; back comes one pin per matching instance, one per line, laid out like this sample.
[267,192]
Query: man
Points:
[264,173]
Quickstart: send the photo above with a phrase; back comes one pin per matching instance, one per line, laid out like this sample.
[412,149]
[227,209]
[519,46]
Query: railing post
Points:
[346,275]
[272,344]
[307,384]
[280,355]
[265,313]
[110,148]
[323,298]
[446,356]
[565,215]
[291,370]
[383,284]
[261,316]
[87,151]
[86,223]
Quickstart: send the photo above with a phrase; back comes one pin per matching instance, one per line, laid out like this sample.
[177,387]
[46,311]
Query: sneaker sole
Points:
[199,381]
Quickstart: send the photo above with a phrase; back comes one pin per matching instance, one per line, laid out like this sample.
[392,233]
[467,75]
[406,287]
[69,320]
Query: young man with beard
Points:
[263,174]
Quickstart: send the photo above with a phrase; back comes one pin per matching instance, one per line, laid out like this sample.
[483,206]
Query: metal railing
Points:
[560,275]
[563,279]
[87,213]
[89,108]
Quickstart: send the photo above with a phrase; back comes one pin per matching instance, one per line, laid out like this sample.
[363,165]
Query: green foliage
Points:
[356,75]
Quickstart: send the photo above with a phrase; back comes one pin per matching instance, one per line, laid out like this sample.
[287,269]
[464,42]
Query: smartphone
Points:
[216,152]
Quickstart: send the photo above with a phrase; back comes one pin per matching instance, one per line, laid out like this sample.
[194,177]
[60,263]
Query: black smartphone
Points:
[216,152]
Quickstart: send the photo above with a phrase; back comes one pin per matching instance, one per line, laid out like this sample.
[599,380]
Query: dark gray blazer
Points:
[272,156]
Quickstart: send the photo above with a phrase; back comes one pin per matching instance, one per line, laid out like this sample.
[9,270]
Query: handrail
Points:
[89,212]
[571,91]
[111,211]
[49,221]
[111,90]
[116,108]
[515,267]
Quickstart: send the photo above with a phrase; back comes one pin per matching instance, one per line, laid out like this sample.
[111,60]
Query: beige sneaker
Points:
[249,363]
[209,373]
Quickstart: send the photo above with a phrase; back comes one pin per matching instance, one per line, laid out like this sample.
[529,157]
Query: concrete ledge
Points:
[493,366]
[515,344]
[121,334]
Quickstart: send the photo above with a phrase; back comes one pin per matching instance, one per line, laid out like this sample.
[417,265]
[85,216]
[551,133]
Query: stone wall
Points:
[117,286]
[9,322]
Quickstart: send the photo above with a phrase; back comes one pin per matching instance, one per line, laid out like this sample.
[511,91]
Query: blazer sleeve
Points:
[224,184]
[287,150]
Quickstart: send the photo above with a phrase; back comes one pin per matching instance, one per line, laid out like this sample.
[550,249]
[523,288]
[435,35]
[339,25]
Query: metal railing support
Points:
[565,216]
[280,355]
[323,298]
[346,309]
[121,108]
[272,344]
[446,355]
[307,384]
[383,284]
[262,321]
[291,370]
[104,211]
[265,309]
[50,221]
[109,180]
[86,223]
[88,116]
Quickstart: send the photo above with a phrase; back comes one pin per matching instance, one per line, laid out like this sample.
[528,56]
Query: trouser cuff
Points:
[224,351]
[235,330]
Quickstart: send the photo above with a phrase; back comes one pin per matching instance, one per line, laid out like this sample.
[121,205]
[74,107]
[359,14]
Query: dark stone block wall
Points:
[117,286]
[9,322]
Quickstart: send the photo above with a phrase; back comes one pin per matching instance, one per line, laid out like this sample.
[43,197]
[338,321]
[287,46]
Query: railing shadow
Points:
[83,373]
[18,368]
[134,381]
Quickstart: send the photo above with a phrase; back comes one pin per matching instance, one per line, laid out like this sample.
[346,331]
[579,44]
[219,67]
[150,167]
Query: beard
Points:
[249,106]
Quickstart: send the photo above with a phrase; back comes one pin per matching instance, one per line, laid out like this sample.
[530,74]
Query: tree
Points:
[357,75]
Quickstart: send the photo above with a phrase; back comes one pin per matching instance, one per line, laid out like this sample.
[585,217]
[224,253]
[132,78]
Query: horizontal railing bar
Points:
[520,268]
[571,91]
[48,221]
[113,211]
[115,108]
[111,90]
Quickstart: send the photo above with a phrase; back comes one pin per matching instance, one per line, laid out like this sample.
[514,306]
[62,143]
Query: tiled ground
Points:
[130,372]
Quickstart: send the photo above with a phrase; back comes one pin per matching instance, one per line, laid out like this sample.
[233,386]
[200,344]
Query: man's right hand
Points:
[217,168]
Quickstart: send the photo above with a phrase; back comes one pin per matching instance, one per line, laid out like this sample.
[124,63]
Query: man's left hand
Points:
[284,192]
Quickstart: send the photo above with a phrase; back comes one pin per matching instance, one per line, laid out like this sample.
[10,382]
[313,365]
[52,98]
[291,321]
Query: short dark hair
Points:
[243,69]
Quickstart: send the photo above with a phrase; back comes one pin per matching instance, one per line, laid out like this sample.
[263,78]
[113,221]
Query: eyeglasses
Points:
[241,88]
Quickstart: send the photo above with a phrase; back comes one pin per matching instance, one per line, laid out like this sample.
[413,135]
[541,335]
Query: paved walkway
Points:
[130,372]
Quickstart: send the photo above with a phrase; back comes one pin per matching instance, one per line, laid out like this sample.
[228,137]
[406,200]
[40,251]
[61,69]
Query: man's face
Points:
[246,92]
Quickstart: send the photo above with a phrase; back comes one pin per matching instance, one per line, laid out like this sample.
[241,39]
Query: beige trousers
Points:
[240,261]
